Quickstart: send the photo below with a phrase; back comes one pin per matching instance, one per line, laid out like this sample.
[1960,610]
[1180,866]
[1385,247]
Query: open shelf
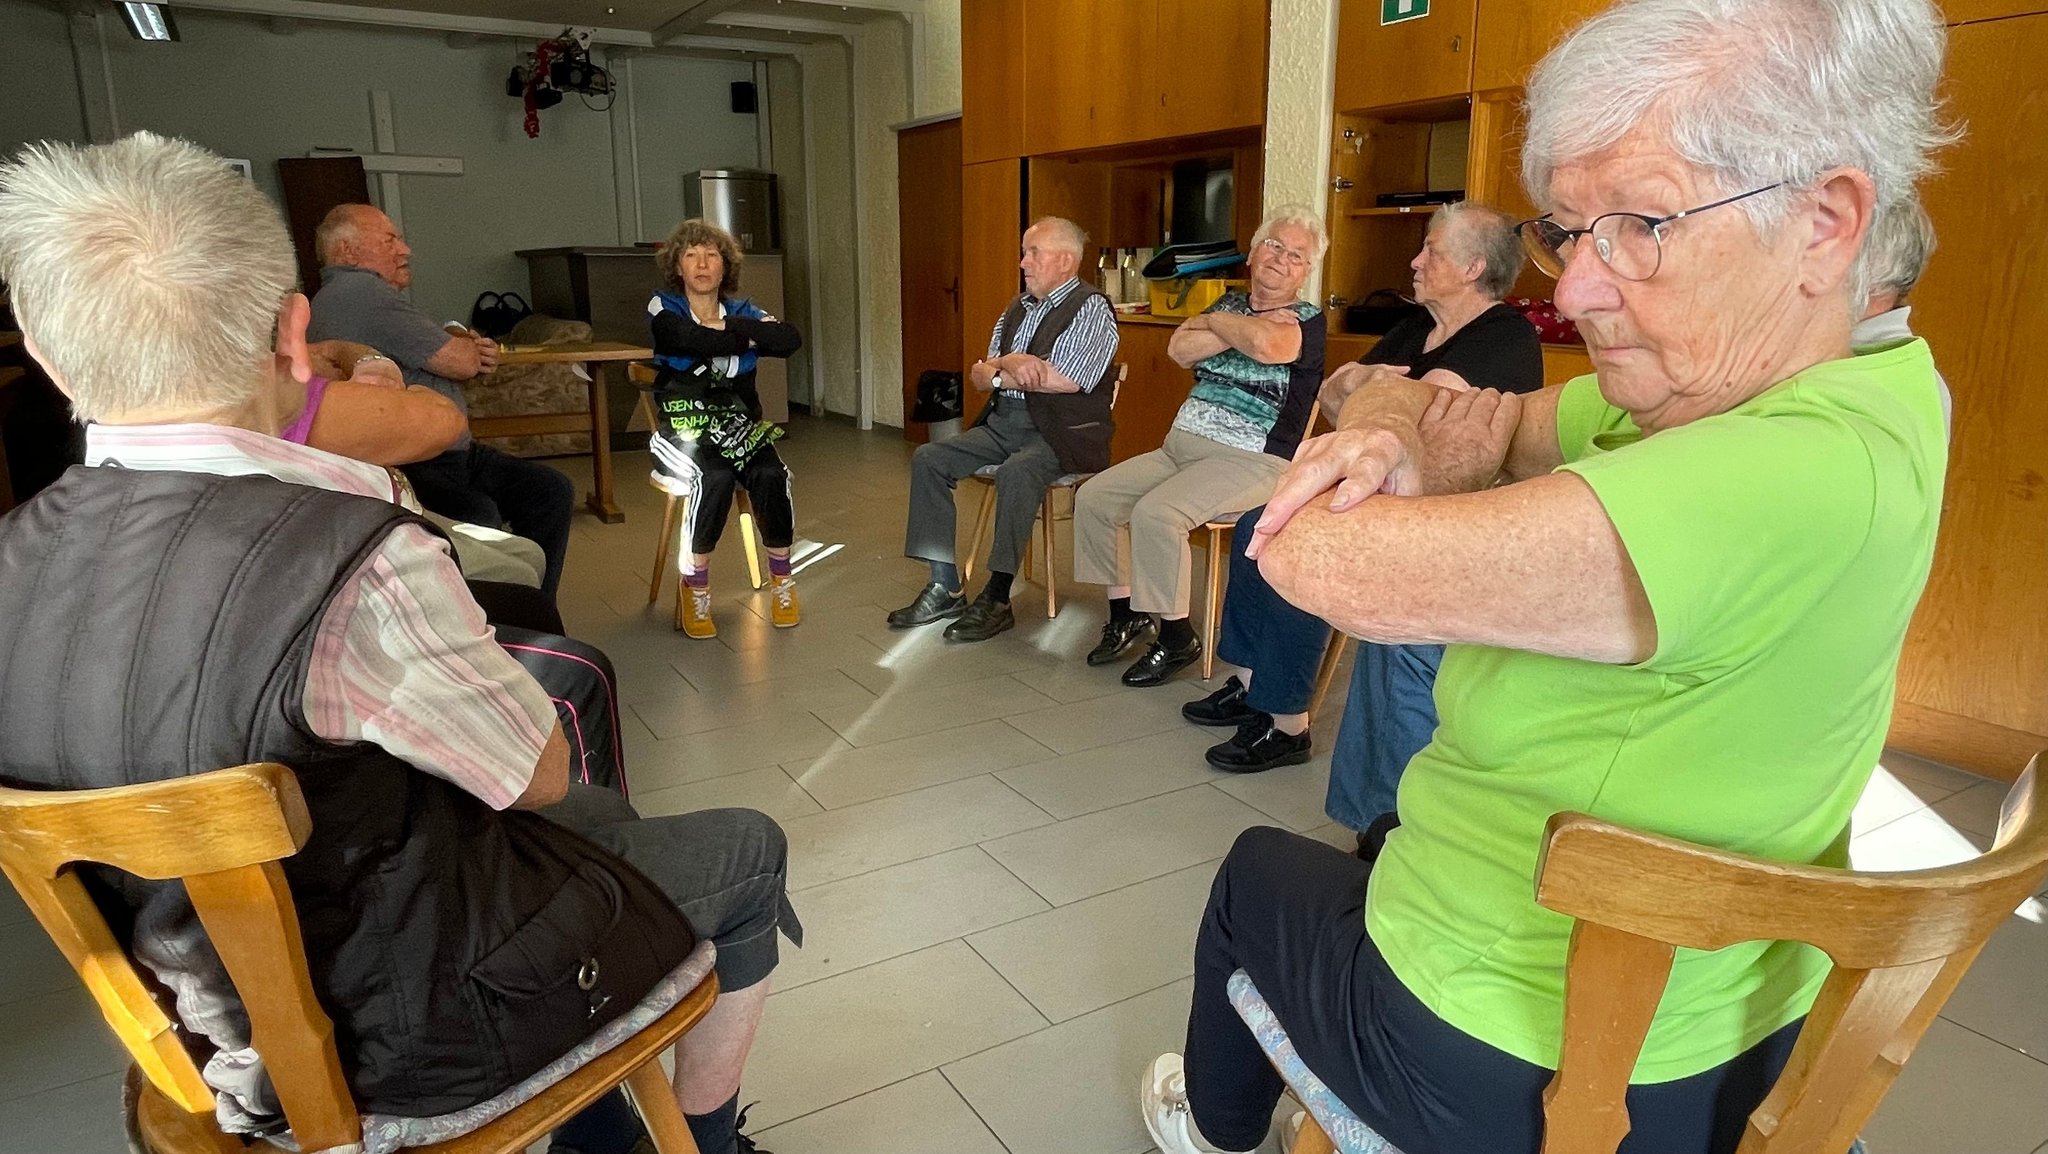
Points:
[1394,210]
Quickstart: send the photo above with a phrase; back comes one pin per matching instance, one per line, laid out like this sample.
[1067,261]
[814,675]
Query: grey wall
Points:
[241,89]
[785,104]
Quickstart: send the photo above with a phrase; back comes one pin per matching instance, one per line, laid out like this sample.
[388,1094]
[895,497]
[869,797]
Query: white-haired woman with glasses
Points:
[1258,362]
[1702,568]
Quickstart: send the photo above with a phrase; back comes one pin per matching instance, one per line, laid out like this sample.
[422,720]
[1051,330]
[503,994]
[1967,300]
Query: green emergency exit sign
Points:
[1395,11]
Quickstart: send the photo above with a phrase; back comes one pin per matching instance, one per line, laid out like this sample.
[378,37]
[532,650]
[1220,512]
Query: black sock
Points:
[998,587]
[1176,634]
[1120,609]
[716,1132]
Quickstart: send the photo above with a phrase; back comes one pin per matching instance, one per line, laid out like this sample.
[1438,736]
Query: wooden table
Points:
[595,420]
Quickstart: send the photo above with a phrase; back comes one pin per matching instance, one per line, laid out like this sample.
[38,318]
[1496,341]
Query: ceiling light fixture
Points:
[148,21]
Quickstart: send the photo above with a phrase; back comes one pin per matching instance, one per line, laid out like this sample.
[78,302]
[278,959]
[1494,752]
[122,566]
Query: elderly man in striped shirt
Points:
[1048,365]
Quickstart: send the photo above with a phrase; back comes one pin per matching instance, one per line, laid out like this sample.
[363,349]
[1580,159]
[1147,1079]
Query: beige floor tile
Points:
[54,1040]
[902,713]
[1075,1086]
[1331,833]
[899,910]
[789,736]
[1962,1094]
[1291,795]
[1094,953]
[1889,797]
[83,1116]
[2001,995]
[1109,775]
[842,1037]
[769,790]
[1920,840]
[1113,848]
[1903,764]
[852,776]
[921,1115]
[841,843]
[1975,809]
[698,711]
[1106,720]
[35,966]
[1071,681]
[711,666]
[922,657]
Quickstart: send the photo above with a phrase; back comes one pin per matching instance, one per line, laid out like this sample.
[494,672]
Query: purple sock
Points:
[778,566]
[698,579]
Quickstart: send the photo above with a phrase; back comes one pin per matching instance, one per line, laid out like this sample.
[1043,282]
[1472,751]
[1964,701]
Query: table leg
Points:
[600,500]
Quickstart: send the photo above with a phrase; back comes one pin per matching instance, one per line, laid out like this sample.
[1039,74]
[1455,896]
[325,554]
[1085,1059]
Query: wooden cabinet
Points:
[1227,89]
[991,224]
[992,95]
[1973,685]
[1961,11]
[1153,393]
[1407,62]
[1110,72]
[1513,35]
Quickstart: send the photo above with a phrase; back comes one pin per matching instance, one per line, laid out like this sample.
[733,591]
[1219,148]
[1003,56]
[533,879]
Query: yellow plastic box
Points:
[1188,295]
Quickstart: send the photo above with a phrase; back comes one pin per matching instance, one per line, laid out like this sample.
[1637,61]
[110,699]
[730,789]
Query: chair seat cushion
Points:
[1063,481]
[383,1134]
[1349,1135]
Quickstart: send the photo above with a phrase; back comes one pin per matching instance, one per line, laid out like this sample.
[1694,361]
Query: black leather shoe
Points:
[1226,706]
[983,620]
[931,605]
[1118,637]
[1159,664]
[1259,747]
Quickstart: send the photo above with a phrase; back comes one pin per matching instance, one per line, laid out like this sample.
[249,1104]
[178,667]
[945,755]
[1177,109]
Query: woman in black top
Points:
[709,435]
[1464,338]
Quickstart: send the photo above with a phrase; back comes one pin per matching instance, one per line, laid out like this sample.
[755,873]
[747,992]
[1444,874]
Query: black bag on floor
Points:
[580,680]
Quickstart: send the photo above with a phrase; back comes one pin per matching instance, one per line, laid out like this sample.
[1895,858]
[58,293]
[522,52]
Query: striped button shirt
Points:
[1082,353]
[403,658]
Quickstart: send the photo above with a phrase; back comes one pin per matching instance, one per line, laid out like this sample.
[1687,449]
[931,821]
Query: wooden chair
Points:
[224,834]
[984,520]
[1900,942]
[642,376]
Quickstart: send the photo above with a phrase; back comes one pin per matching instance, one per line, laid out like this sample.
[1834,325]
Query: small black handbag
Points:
[494,314]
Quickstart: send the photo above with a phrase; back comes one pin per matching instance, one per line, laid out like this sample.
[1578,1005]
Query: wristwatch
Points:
[996,382]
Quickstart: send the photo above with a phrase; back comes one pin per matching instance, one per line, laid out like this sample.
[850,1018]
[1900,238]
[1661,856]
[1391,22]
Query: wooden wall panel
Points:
[1086,64]
[1978,648]
[1514,34]
[1406,63]
[1961,11]
[991,212]
[1153,393]
[1079,191]
[1228,89]
[992,96]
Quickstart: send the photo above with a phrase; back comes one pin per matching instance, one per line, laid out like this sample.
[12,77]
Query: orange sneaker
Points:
[783,609]
[693,611]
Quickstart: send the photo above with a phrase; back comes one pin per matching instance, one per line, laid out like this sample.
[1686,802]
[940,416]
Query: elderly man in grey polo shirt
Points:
[364,267]
[1048,364]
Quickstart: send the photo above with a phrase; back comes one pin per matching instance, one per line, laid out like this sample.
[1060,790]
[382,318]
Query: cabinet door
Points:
[1972,671]
[992,96]
[1428,58]
[1084,61]
[1514,34]
[991,224]
[1151,398]
[1227,88]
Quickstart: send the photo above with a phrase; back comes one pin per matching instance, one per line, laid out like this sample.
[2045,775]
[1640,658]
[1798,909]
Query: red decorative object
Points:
[1551,325]
[542,54]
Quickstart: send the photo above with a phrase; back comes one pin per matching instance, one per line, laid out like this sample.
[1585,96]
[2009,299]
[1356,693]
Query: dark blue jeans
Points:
[1389,716]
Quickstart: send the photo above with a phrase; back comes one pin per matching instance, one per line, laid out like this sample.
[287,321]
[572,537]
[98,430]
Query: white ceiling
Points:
[752,26]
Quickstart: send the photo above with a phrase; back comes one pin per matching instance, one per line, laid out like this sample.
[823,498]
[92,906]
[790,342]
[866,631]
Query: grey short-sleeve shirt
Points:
[355,304]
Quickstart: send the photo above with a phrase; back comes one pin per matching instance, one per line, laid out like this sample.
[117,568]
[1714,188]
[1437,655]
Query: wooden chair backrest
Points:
[1899,942]
[223,833]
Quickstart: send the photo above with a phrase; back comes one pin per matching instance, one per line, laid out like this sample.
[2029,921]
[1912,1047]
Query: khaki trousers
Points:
[1131,523]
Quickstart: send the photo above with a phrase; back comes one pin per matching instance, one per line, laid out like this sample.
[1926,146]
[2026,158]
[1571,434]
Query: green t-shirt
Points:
[1783,545]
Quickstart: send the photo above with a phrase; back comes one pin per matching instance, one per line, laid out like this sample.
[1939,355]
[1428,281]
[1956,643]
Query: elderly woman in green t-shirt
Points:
[1701,567]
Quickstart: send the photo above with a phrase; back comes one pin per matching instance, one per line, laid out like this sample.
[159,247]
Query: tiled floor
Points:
[1000,855]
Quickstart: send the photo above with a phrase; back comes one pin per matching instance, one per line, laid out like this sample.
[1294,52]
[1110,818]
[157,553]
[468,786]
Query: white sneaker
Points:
[1163,1100]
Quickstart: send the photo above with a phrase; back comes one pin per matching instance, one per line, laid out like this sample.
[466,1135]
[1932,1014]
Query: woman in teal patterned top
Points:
[1258,363]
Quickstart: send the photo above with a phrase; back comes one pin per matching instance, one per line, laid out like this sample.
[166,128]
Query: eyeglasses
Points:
[1285,255]
[1628,242]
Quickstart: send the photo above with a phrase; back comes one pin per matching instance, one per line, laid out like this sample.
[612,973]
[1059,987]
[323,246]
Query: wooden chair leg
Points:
[982,520]
[656,1099]
[1311,1140]
[1052,593]
[1333,656]
[1213,598]
[661,547]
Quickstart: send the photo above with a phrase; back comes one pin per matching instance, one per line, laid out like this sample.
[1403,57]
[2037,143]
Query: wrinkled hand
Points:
[1465,439]
[1355,462]
[1348,379]
[486,354]
[1025,373]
